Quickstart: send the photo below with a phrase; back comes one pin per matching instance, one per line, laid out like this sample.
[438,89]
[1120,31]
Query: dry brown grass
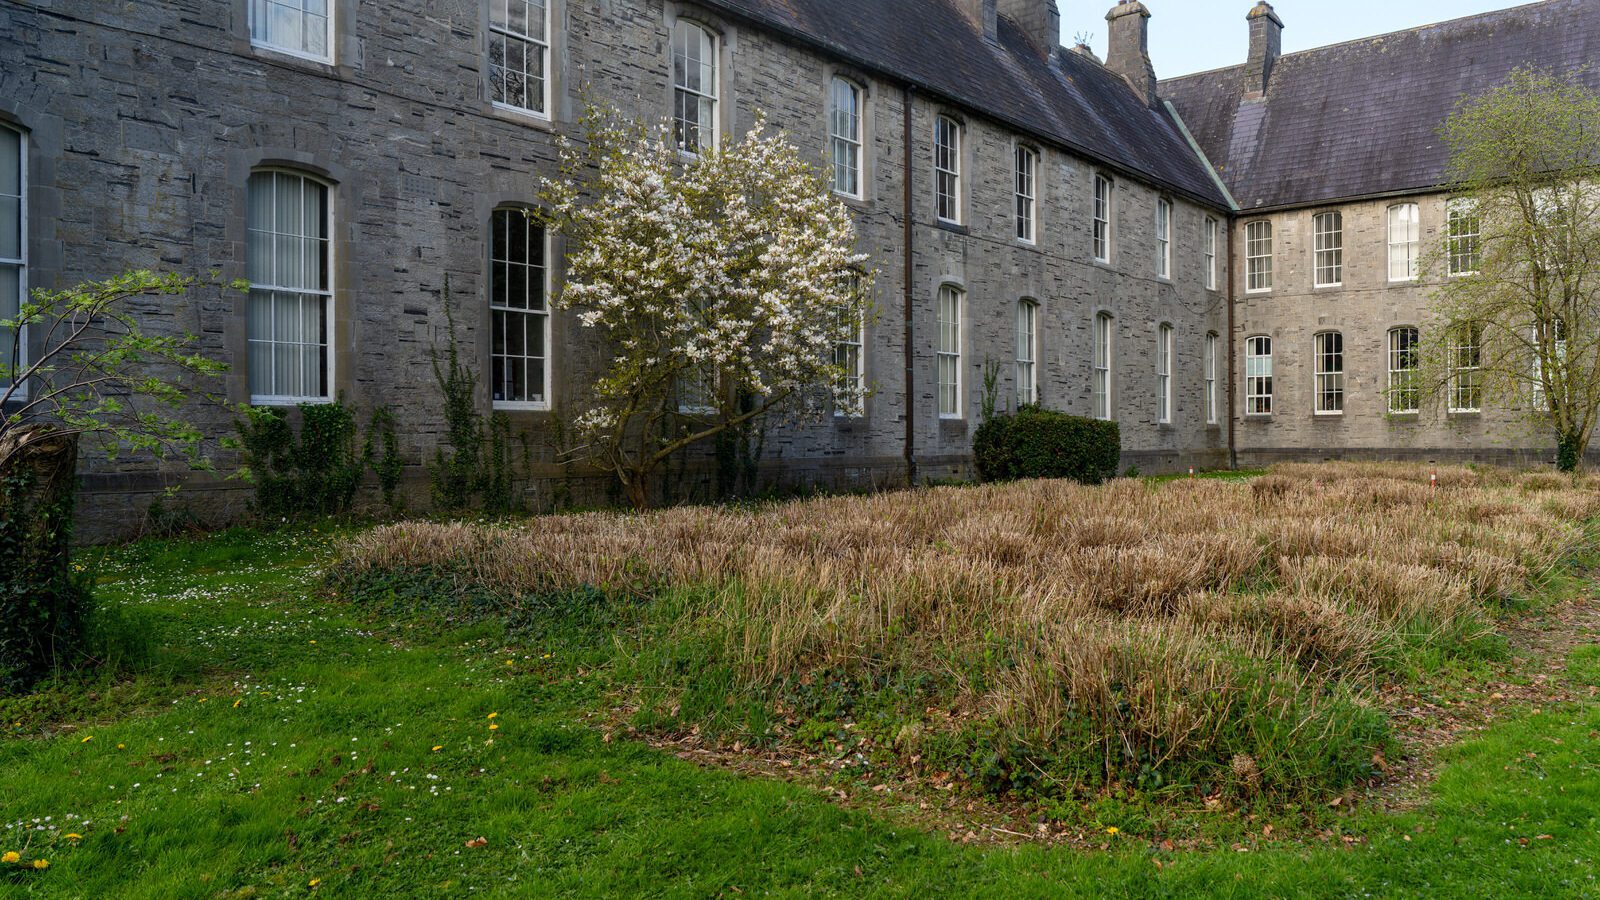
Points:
[1133,604]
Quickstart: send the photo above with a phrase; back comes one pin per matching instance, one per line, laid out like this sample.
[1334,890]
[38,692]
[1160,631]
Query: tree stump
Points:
[42,606]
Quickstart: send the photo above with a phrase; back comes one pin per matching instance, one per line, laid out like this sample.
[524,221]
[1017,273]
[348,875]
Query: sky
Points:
[1189,36]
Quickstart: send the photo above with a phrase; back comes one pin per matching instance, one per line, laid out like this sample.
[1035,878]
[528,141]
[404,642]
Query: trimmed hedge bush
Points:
[1040,443]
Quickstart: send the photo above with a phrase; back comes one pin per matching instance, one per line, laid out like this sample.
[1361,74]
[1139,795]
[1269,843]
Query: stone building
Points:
[1336,163]
[1023,204]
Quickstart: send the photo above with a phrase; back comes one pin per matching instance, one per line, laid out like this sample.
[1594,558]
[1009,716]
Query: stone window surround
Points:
[1165,216]
[963,339]
[1096,316]
[727,39]
[343,198]
[556,320]
[1336,246]
[1270,394]
[556,108]
[1110,219]
[1166,351]
[1268,256]
[866,97]
[1018,148]
[963,171]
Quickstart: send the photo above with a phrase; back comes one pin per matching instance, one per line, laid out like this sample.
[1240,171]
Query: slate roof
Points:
[1362,118]
[1074,102]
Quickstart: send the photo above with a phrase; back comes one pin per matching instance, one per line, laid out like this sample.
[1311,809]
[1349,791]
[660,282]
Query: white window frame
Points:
[1258,257]
[1258,375]
[259,10]
[1540,401]
[1459,366]
[1327,260]
[1328,381]
[498,307]
[707,98]
[1403,394]
[1104,195]
[1164,341]
[847,144]
[1027,352]
[849,351]
[1211,253]
[1210,363]
[530,43]
[1104,358]
[1405,240]
[326,294]
[1163,238]
[1463,247]
[947,187]
[1027,189]
[20,263]
[951,306]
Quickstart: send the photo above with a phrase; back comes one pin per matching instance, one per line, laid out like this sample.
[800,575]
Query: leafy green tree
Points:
[1520,261]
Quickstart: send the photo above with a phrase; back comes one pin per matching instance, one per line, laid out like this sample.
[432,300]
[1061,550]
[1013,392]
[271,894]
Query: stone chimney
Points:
[1040,20]
[1129,51]
[1266,45]
[982,13]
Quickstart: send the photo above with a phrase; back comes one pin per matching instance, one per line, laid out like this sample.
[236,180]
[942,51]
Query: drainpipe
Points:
[1233,447]
[908,275]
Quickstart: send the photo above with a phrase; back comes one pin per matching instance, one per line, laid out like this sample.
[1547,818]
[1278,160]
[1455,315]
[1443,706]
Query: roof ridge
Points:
[1387,34]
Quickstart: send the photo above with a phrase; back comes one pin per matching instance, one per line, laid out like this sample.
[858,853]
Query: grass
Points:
[278,739]
[1220,637]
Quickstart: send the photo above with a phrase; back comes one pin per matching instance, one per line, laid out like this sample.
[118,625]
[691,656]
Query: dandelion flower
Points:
[1113,831]
[236,703]
[314,882]
[494,715]
[74,837]
[122,746]
[493,727]
[86,739]
[11,856]
[41,864]
[438,747]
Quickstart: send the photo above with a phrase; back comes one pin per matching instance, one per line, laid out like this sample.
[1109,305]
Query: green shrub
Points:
[314,473]
[1040,443]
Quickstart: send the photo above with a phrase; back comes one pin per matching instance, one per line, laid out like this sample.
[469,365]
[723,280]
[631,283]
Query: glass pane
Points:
[10,227]
[316,35]
[536,19]
[10,162]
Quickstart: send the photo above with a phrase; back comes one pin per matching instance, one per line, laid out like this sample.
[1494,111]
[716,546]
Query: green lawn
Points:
[275,743]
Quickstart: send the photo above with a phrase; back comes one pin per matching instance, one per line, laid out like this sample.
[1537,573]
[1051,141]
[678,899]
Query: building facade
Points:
[1071,221]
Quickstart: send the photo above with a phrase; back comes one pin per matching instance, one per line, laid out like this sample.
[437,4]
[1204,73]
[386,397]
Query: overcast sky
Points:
[1195,35]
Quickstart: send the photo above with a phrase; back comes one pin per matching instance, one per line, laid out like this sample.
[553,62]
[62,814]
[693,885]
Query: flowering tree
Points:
[1521,256]
[721,284]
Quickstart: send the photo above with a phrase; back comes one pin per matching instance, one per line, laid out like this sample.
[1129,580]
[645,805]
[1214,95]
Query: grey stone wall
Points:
[146,120]
[1364,309]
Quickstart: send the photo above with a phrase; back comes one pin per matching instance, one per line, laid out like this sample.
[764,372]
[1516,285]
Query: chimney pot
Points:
[1129,52]
[1266,45]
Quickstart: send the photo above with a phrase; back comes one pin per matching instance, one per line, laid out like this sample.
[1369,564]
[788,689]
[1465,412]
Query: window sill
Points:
[1328,287]
[520,115]
[1328,416]
[504,406]
[1104,264]
[952,227]
[1258,292]
[1258,418]
[286,402]
[1465,413]
[1404,418]
[325,64]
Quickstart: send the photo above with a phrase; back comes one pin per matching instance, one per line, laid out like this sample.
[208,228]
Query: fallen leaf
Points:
[477,842]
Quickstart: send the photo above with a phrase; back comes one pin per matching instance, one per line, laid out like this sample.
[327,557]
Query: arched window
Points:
[1405,237]
[694,87]
[1027,353]
[519,312]
[1329,373]
[519,54]
[1258,376]
[845,131]
[951,301]
[1404,394]
[289,262]
[1101,390]
[13,249]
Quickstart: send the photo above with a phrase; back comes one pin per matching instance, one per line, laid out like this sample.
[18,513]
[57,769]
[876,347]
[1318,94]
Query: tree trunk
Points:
[41,605]
[1570,448]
